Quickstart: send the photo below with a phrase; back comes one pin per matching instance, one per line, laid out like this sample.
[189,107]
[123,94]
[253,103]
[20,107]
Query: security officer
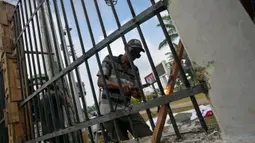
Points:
[127,78]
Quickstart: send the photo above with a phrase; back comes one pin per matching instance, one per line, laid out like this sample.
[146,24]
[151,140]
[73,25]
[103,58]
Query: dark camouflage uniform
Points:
[126,76]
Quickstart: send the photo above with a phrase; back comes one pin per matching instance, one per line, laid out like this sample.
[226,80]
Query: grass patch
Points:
[198,97]
[177,110]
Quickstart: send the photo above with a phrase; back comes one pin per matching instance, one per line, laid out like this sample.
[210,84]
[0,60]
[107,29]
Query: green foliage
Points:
[135,101]
[170,29]
[170,59]
[150,96]
[91,108]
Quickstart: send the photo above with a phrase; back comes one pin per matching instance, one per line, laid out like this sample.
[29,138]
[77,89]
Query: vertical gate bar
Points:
[68,117]
[130,61]
[16,32]
[111,57]
[90,79]
[89,73]
[182,73]
[29,65]
[59,64]
[48,89]
[44,68]
[71,46]
[147,51]
[52,72]
[24,70]
[33,63]
[58,60]
[55,44]
[52,109]
[199,114]
[169,110]
[66,62]
[93,41]
[65,105]
[38,65]
[132,67]
[83,51]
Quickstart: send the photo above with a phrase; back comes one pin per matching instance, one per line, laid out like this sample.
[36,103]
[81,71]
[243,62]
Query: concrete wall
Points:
[221,32]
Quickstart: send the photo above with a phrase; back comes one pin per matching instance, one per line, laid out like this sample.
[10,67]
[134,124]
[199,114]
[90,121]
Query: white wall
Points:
[221,31]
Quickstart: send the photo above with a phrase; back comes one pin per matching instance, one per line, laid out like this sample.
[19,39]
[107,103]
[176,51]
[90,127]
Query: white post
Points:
[219,35]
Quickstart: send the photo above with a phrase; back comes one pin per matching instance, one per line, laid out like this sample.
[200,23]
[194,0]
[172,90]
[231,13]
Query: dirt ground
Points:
[191,133]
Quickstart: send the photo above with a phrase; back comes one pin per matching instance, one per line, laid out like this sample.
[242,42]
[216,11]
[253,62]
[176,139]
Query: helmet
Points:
[134,48]
[135,44]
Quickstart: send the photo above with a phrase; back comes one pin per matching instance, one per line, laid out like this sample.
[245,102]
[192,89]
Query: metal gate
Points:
[52,89]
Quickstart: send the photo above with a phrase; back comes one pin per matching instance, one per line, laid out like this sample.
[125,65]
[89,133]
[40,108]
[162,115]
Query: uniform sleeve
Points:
[106,66]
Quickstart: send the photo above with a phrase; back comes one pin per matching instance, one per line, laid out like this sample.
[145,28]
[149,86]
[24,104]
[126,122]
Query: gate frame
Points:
[153,10]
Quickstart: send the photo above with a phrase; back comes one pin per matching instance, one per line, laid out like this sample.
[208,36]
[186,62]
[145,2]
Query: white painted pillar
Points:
[221,32]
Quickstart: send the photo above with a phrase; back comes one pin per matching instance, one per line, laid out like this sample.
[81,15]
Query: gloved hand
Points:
[127,88]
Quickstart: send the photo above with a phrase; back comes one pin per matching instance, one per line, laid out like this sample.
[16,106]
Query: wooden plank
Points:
[14,116]
[12,112]
[11,78]
[14,82]
[3,14]
[19,128]
[7,10]
[157,133]
[10,133]
[5,31]
[5,117]
[6,44]
[85,136]
[2,33]
[3,18]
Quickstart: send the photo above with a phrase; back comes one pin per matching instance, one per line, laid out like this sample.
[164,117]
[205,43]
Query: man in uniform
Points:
[127,78]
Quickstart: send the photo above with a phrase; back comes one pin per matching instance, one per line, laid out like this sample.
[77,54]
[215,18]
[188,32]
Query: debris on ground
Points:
[195,135]
[191,133]
[190,128]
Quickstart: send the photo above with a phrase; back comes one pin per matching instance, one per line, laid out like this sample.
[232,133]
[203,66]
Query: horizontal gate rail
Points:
[142,17]
[124,112]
